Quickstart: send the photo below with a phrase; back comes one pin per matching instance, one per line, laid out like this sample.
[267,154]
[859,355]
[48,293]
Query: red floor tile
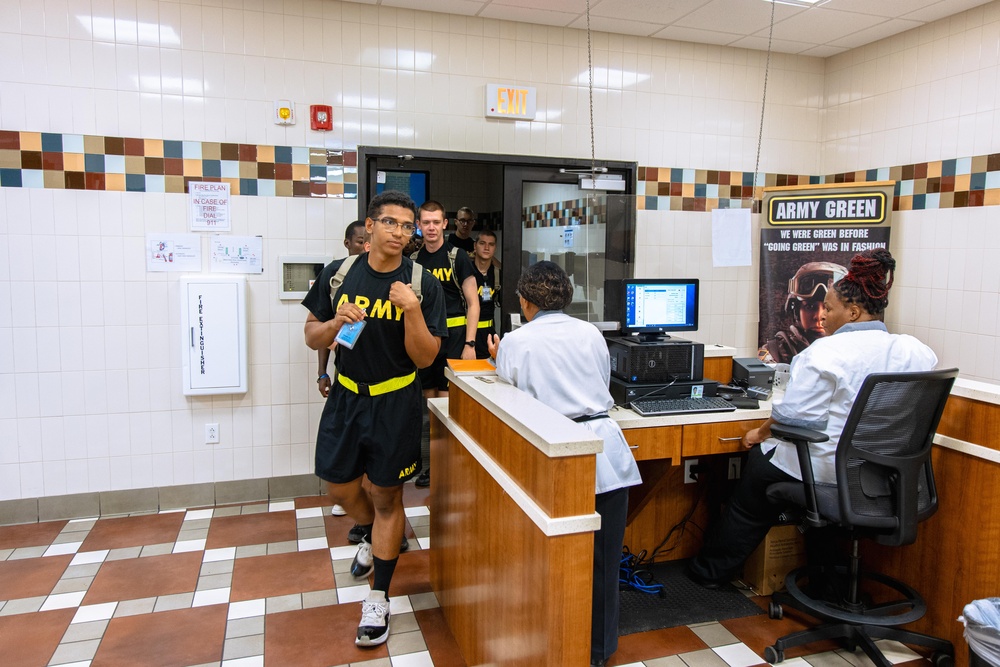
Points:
[313,501]
[135,578]
[30,534]
[282,574]
[29,640]
[236,531]
[164,639]
[31,577]
[437,635]
[133,531]
[317,637]
[656,644]
[760,631]
[412,574]
[414,496]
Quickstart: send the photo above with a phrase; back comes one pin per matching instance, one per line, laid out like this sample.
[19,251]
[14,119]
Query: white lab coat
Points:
[564,362]
[824,381]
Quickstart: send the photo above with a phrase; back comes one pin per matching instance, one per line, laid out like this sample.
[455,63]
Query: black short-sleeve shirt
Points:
[468,245]
[380,353]
[438,264]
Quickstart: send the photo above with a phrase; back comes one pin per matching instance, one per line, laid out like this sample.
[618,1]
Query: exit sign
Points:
[505,101]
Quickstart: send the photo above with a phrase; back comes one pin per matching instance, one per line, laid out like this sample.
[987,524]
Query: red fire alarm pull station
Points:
[321,117]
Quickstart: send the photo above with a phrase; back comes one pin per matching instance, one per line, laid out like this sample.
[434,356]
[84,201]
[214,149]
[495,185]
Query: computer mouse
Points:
[726,397]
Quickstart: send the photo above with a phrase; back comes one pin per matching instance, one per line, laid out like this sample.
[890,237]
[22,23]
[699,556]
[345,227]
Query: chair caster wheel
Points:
[775,611]
[773,655]
[942,659]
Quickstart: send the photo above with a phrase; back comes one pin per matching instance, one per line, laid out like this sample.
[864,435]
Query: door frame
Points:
[619,241]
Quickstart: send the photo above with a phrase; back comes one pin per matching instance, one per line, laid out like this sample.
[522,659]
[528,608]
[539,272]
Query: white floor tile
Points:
[62,549]
[421,659]
[95,612]
[210,597]
[400,605]
[353,593]
[343,553]
[250,661]
[738,655]
[88,557]
[308,512]
[215,555]
[895,652]
[313,544]
[176,510]
[281,506]
[194,515]
[424,542]
[246,609]
[185,546]
[63,601]
[419,510]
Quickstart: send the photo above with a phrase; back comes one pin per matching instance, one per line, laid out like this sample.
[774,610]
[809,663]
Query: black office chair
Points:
[885,486]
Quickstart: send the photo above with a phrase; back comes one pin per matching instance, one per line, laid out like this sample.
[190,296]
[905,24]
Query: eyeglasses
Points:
[392,224]
[467,221]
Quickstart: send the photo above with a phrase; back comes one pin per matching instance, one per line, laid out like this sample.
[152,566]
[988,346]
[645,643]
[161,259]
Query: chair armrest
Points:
[802,438]
[794,433]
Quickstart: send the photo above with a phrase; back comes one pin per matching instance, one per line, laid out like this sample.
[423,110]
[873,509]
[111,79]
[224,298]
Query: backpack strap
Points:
[338,278]
[452,254]
[416,278]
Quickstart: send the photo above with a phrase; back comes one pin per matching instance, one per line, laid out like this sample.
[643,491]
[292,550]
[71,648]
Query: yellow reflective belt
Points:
[456,321]
[485,325]
[379,387]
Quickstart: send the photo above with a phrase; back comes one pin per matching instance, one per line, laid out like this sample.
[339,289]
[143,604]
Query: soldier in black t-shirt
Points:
[453,269]
[371,420]
[488,280]
[465,222]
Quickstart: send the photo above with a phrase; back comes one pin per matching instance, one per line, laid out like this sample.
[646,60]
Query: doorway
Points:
[536,207]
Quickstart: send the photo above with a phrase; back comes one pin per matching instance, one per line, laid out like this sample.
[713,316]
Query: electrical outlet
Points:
[735,467]
[689,475]
[211,434]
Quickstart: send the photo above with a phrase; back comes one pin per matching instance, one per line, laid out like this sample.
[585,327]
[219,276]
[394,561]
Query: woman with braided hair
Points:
[825,378]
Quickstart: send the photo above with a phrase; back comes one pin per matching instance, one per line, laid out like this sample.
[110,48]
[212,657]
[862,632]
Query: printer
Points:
[752,372]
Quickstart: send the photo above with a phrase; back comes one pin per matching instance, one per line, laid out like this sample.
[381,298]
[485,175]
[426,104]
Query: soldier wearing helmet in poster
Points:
[804,305]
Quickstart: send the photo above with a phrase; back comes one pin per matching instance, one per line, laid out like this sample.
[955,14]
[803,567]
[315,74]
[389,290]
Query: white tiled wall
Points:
[89,353]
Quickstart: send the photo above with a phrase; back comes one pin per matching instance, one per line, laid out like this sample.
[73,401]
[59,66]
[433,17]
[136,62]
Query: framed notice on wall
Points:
[209,204]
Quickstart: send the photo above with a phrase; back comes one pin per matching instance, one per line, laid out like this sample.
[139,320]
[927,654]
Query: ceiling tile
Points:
[618,26]
[943,8]
[745,18]
[570,6]
[525,15]
[460,7]
[699,36]
[886,8]
[819,25]
[663,12]
[875,33]
[824,51]
[778,45]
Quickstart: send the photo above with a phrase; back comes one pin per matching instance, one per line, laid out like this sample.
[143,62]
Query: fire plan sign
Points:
[209,206]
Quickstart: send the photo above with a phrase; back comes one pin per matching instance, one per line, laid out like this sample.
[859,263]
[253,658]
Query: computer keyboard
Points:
[678,406]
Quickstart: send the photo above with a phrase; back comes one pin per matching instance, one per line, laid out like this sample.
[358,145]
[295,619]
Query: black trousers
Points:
[744,523]
[613,508]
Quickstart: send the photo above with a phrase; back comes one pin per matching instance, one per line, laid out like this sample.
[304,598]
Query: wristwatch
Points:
[470,343]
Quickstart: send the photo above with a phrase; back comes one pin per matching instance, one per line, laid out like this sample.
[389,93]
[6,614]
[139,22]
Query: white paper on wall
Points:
[236,254]
[209,206]
[731,237]
[173,252]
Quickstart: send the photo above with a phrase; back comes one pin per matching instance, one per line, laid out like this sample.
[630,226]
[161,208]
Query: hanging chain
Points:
[763,101]
[590,89]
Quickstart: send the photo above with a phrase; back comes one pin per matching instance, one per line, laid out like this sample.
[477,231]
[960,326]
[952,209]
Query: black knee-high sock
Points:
[383,574]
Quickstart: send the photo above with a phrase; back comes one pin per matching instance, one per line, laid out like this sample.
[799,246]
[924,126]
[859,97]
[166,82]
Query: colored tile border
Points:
[88,162]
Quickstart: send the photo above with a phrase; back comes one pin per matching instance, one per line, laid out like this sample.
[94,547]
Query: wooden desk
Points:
[512,513]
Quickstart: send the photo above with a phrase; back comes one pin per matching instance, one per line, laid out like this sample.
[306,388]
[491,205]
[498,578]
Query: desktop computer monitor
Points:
[657,307]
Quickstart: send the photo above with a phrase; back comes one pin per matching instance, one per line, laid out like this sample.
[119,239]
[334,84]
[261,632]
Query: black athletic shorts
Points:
[377,435]
[433,377]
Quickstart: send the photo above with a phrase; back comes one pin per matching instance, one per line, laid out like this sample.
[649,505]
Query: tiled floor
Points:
[268,584]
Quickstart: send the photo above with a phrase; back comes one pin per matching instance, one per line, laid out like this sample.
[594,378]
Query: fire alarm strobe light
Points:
[284,112]
[321,117]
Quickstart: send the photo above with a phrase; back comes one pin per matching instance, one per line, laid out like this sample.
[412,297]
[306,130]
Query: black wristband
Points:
[470,343]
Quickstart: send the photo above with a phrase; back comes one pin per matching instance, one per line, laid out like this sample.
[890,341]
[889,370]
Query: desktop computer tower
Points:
[659,361]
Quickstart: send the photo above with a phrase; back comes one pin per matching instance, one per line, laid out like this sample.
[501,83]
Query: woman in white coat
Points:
[564,362]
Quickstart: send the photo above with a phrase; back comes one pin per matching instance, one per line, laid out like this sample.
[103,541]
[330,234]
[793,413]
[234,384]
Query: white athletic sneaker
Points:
[337,510]
[374,626]
[363,564]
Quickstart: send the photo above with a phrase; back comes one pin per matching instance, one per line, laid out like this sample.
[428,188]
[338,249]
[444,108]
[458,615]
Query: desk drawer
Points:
[655,443]
[718,438]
